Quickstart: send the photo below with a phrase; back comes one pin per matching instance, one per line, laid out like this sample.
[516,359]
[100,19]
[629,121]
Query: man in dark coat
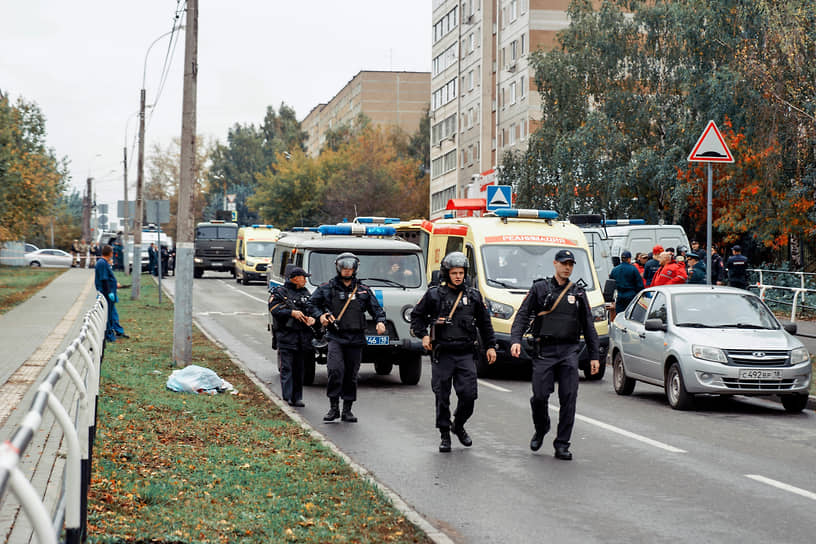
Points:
[737,268]
[628,281]
[696,269]
[106,283]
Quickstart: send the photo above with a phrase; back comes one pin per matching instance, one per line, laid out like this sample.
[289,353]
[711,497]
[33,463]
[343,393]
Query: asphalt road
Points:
[734,470]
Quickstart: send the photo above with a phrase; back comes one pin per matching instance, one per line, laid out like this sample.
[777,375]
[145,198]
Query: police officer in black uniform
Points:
[737,268]
[455,313]
[562,313]
[341,304]
[291,308]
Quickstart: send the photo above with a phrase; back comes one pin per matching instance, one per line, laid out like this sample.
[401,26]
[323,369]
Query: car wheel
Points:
[794,403]
[679,398]
[410,368]
[383,368]
[624,385]
[35,264]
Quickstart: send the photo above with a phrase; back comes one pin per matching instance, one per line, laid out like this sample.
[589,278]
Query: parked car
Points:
[707,340]
[48,257]
[30,247]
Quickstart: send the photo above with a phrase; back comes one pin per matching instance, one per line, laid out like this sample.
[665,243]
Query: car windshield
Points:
[214,232]
[260,249]
[381,269]
[517,266]
[721,310]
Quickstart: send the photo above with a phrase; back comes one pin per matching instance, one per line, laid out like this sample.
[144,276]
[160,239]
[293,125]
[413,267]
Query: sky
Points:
[83,64]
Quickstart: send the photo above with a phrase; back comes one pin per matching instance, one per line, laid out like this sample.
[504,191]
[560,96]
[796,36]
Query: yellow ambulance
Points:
[253,251]
[508,250]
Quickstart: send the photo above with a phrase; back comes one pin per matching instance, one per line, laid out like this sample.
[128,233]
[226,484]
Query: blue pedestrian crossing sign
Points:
[499,196]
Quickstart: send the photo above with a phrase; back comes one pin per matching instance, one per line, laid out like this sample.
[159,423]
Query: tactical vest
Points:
[560,325]
[353,319]
[461,328]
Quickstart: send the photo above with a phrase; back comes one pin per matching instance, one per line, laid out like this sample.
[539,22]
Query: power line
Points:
[168,56]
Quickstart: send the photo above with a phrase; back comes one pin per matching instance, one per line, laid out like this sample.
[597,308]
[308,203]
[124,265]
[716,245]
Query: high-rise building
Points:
[386,98]
[483,96]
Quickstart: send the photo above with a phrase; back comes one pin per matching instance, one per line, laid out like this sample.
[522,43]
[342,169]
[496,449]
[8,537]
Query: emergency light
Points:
[355,229]
[378,220]
[621,222]
[523,213]
[449,215]
[263,226]
[304,229]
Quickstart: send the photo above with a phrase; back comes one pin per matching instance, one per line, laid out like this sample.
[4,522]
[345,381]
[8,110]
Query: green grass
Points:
[177,467]
[18,283]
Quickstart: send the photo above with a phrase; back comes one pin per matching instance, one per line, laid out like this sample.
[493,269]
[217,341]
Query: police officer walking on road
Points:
[341,304]
[562,313]
[291,308]
[737,268]
[455,312]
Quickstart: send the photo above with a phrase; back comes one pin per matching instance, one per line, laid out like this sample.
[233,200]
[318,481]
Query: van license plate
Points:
[376,340]
[759,374]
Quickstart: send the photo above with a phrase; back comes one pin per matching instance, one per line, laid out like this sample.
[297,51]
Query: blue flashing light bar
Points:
[621,222]
[356,229]
[304,229]
[378,220]
[449,215]
[263,226]
[523,213]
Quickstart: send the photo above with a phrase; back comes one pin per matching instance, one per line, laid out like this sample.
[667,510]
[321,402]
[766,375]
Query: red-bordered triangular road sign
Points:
[711,147]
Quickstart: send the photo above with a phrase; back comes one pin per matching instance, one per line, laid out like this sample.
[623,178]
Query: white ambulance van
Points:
[253,251]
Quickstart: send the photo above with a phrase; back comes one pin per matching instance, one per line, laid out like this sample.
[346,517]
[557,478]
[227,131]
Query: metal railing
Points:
[70,511]
[796,297]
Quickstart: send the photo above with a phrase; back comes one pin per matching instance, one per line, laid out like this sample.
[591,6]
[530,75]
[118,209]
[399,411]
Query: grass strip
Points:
[175,467]
[18,283]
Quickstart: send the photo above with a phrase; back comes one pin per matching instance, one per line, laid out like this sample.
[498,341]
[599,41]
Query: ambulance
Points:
[253,252]
[508,250]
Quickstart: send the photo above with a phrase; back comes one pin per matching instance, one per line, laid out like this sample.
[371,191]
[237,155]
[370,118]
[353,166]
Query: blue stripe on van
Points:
[379,294]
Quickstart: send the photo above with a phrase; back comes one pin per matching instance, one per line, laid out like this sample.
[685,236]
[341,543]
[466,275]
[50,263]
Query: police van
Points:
[253,251]
[507,251]
[390,266]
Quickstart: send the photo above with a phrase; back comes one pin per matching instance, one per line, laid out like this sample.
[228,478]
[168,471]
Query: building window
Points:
[470,80]
[444,164]
[472,42]
[444,129]
[444,94]
[523,39]
[513,50]
[523,129]
[444,25]
[444,60]
[512,134]
[513,93]
[439,200]
[513,10]
[523,87]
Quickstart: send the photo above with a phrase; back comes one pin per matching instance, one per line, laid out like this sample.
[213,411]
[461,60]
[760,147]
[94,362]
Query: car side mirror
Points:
[655,325]
[609,290]
[790,327]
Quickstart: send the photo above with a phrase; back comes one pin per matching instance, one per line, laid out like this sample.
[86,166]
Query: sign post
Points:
[710,147]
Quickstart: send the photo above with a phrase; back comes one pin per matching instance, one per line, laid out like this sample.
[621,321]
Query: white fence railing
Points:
[795,296]
[81,363]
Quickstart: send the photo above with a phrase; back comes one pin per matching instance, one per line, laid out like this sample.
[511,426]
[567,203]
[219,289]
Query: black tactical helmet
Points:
[346,260]
[455,259]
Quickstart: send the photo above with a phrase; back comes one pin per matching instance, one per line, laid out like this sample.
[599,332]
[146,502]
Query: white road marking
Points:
[628,434]
[243,292]
[783,486]
[493,386]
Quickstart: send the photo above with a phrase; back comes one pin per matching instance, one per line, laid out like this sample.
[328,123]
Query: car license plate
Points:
[376,340]
[760,374]
[218,264]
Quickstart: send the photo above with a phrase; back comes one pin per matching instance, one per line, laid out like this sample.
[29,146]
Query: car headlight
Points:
[799,356]
[499,310]
[709,354]
[406,313]
[250,263]
[198,260]
[599,314]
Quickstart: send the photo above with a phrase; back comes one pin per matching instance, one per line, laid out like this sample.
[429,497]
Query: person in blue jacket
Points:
[696,269]
[106,284]
[628,281]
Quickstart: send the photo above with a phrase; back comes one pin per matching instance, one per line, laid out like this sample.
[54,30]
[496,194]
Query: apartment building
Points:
[387,98]
[483,96]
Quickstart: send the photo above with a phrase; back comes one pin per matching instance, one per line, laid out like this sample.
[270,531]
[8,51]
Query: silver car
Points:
[707,340]
[49,257]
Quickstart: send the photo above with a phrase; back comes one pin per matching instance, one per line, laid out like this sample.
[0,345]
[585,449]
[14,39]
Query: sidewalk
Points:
[32,335]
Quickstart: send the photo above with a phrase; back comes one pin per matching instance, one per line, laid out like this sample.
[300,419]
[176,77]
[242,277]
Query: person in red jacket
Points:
[670,271]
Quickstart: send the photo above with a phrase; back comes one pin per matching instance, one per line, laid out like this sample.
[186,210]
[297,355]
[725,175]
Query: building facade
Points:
[387,98]
[483,96]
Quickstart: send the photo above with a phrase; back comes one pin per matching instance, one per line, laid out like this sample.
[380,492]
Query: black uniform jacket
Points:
[324,296]
[429,308]
[536,301]
[291,333]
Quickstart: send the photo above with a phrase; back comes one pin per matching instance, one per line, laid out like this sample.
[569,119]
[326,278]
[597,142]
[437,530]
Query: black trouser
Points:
[556,363]
[459,369]
[343,364]
[291,373]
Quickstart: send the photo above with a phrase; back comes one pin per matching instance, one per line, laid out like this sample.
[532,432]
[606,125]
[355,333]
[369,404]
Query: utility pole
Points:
[86,211]
[127,214]
[183,310]
[136,286]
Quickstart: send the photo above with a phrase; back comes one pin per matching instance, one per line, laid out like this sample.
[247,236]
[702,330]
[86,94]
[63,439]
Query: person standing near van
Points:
[737,268]
[562,313]
[455,312]
[670,271]
[341,304]
[291,308]
[628,281]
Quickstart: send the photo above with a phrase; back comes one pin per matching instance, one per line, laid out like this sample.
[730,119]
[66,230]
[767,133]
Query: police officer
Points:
[291,308]
[628,281]
[696,269]
[562,313]
[455,312]
[737,268]
[340,304]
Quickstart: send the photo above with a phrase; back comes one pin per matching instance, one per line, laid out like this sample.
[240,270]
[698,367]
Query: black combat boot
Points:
[462,435]
[347,415]
[334,410]
[445,443]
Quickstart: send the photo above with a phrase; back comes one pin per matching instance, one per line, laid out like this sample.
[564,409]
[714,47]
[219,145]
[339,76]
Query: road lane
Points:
[618,489]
